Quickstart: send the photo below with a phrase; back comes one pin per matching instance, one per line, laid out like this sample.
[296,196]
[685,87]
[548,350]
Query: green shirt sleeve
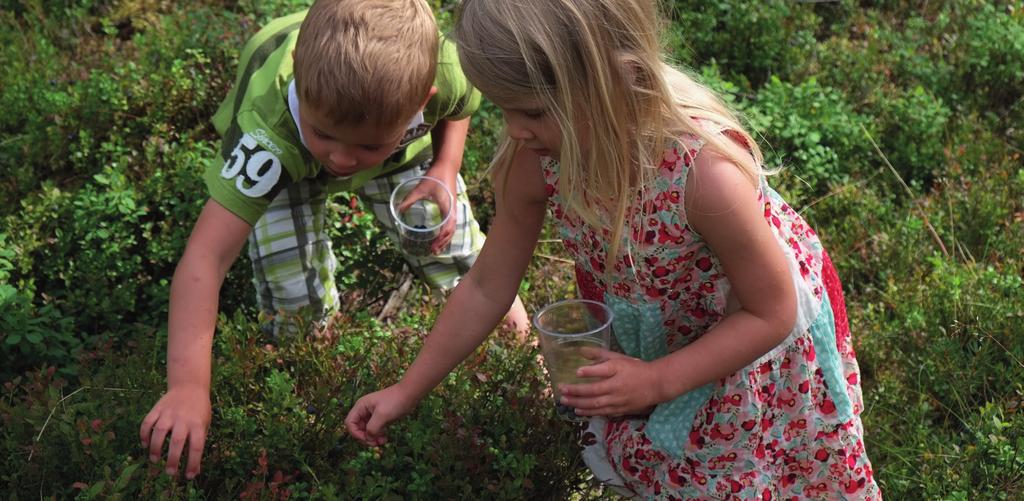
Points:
[456,97]
[254,172]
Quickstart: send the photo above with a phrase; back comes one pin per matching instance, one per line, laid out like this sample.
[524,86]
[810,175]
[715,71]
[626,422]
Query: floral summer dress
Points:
[785,427]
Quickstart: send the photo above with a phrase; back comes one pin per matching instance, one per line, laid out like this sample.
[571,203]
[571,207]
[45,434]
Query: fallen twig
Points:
[924,217]
[54,409]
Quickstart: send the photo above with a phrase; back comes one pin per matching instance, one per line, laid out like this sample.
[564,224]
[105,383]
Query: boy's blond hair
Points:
[366,61]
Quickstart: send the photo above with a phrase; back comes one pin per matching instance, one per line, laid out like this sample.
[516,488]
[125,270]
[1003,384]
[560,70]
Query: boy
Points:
[338,98]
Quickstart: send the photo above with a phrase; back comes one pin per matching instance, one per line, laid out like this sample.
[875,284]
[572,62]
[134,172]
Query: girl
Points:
[736,376]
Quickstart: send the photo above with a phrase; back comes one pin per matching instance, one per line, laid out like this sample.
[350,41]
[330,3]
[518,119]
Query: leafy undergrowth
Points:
[897,125]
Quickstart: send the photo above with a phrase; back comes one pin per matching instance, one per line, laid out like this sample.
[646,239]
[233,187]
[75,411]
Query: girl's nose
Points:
[517,131]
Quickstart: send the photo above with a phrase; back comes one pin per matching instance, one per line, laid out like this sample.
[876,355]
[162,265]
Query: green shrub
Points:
[32,334]
[913,135]
[811,131]
[776,35]
[488,431]
[992,70]
[105,134]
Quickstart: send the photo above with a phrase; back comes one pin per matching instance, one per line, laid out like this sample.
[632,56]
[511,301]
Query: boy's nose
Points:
[343,158]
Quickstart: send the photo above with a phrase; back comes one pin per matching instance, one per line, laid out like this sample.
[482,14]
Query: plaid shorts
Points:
[294,265]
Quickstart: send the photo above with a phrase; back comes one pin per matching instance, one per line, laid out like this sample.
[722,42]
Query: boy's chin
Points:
[340,172]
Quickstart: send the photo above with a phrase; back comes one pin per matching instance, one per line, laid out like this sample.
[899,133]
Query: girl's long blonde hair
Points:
[598,68]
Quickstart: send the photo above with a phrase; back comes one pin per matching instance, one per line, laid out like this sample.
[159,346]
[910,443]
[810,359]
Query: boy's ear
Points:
[430,94]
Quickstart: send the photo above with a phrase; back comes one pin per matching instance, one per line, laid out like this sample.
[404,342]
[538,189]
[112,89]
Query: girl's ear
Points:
[633,71]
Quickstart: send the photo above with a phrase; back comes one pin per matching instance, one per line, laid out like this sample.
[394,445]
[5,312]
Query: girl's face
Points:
[531,123]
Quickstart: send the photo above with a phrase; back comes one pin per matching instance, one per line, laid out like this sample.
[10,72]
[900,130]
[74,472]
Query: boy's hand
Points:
[433,192]
[370,416]
[629,386]
[184,415]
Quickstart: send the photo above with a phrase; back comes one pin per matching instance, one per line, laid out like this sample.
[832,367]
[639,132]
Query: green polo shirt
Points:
[262,149]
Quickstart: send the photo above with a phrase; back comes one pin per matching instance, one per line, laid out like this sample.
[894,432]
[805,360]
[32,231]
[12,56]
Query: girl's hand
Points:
[629,386]
[430,190]
[369,417]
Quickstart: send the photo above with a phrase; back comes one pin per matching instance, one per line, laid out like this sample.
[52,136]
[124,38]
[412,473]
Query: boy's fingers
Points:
[442,240]
[414,195]
[156,439]
[174,449]
[196,442]
[409,200]
[146,429]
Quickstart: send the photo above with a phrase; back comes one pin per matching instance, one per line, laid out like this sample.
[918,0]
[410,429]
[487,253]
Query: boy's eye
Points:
[320,134]
[370,147]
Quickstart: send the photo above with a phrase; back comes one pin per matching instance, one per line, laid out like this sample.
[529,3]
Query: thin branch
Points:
[554,258]
[54,409]
[924,217]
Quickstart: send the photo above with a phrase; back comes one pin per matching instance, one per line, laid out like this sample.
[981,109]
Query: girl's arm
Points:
[721,204]
[474,308]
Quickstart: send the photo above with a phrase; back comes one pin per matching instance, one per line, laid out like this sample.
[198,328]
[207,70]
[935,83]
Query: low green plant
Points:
[811,132]
[776,37]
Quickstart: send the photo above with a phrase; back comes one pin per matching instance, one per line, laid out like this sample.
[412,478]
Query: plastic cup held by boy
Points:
[419,222]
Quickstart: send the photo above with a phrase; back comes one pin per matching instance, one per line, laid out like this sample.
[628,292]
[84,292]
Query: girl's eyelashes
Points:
[533,114]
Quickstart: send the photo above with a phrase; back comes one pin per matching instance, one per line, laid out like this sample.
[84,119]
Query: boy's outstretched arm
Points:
[183,413]
[474,308]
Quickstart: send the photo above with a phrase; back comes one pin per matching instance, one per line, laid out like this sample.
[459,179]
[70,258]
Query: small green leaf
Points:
[126,475]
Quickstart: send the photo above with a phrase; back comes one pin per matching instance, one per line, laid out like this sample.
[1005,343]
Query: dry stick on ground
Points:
[555,258]
[54,409]
[397,298]
[920,212]
[841,189]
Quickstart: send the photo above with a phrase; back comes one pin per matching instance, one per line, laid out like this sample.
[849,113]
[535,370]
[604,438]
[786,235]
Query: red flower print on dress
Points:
[805,386]
[696,439]
[852,486]
[827,407]
[671,159]
[689,157]
[722,431]
[670,235]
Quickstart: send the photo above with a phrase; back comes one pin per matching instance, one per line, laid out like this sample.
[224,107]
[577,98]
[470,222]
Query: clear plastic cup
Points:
[566,329]
[419,223]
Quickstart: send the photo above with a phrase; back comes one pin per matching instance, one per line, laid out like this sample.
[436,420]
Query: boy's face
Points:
[344,150]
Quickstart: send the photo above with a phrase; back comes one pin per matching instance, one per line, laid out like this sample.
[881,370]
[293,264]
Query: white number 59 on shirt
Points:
[256,170]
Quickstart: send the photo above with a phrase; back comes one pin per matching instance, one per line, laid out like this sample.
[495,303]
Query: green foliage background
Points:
[897,126]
